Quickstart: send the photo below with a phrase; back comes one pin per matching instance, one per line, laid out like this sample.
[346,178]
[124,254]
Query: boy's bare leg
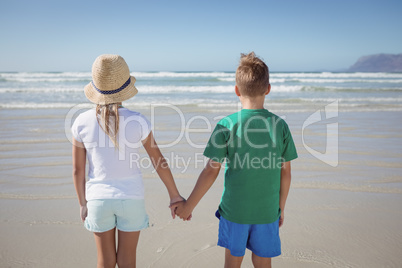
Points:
[260,262]
[232,261]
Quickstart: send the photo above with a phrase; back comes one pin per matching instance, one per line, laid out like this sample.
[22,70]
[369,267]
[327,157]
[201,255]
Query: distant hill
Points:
[378,63]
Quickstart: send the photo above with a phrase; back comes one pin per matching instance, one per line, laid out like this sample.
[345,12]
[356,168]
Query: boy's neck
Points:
[252,103]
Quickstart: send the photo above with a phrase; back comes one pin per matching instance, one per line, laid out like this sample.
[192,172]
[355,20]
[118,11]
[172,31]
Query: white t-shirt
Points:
[113,174]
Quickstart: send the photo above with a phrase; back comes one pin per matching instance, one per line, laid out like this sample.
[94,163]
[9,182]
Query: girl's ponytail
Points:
[108,119]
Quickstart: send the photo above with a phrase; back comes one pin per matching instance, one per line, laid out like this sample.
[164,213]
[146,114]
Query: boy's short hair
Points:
[252,75]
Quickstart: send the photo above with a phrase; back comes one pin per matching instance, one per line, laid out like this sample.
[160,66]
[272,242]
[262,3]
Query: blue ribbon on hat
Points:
[112,91]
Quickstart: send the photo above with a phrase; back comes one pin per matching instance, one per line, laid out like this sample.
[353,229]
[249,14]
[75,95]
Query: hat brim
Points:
[98,98]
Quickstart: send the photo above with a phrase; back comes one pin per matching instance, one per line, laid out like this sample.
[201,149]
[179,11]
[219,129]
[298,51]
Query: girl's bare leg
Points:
[106,246]
[127,249]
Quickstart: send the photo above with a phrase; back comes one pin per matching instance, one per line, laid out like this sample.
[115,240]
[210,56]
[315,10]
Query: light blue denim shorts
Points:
[127,215]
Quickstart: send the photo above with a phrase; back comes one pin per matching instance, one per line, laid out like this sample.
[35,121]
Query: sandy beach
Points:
[343,216]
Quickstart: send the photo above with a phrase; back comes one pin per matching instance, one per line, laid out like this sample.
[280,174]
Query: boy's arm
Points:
[204,182]
[285,186]
[162,168]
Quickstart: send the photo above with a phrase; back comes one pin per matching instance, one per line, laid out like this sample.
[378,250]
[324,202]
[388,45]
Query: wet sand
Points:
[343,216]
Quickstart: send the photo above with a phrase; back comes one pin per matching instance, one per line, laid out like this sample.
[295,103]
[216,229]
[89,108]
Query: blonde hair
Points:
[252,75]
[108,119]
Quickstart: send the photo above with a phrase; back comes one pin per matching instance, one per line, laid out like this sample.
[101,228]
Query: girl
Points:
[109,137]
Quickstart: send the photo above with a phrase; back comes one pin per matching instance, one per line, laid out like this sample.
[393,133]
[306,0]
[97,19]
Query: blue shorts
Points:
[128,215]
[262,239]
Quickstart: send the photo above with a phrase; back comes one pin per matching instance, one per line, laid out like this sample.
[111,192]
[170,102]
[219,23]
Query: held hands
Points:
[182,209]
[173,201]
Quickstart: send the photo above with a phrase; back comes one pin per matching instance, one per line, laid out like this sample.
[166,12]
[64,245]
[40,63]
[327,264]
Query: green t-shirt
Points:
[254,144]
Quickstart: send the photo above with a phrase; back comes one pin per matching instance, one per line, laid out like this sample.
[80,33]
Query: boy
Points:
[258,147]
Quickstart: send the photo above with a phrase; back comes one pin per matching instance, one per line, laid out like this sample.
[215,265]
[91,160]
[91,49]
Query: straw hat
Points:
[111,81]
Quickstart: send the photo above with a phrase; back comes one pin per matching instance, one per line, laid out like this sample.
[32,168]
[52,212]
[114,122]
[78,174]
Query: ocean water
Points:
[291,92]
[364,187]
[38,200]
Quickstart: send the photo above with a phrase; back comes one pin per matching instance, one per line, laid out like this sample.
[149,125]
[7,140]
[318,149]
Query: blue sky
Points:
[297,35]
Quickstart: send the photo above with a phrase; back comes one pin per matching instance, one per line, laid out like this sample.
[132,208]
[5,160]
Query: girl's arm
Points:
[79,160]
[162,168]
